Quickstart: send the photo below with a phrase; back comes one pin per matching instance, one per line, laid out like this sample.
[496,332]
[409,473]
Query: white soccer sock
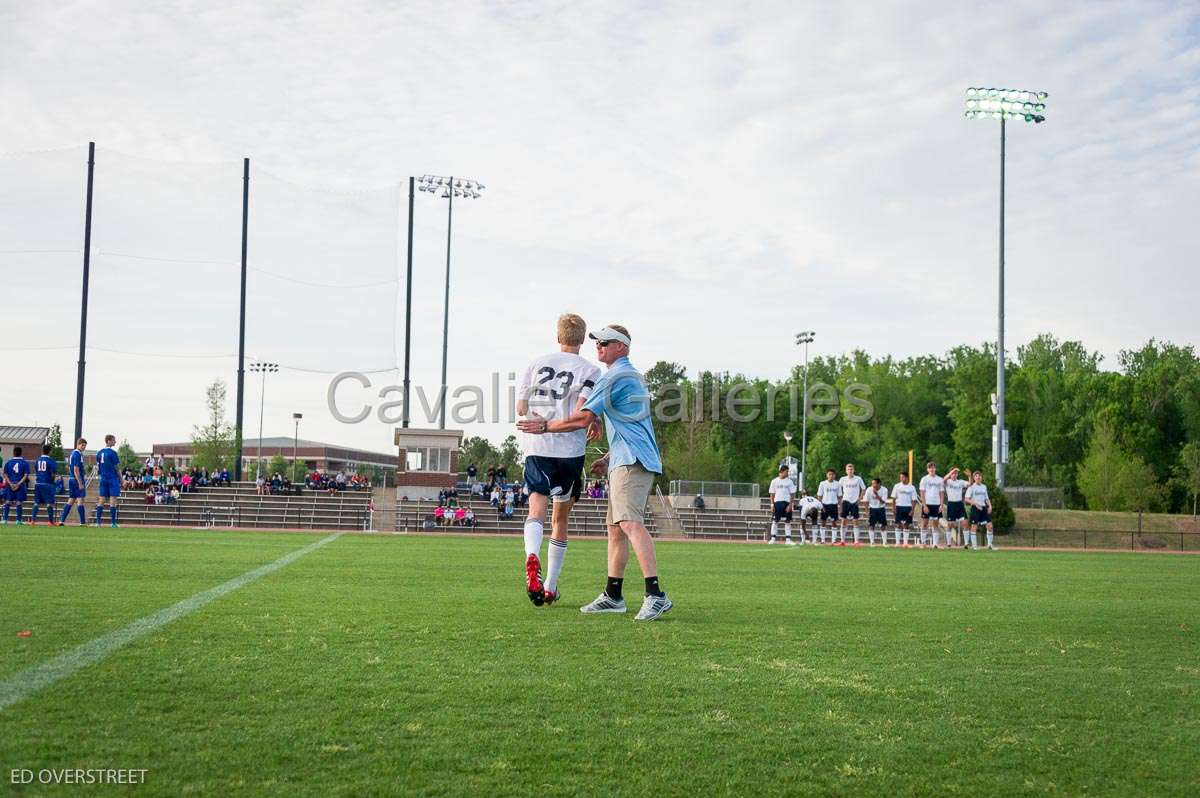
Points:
[974,540]
[989,536]
[774,529]
[555,554]
[533,536]
[937,537]
[856,534]
[787,531]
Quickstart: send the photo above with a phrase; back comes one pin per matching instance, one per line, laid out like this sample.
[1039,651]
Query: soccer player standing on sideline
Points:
[904,497]
[852,489]
[16,480]
[43,490]
[632,461]
[981,510]
[554,386]
[877,497]
[781,490]
[76,488]
[956,514]
[110,479]
[933,493]
[830,493]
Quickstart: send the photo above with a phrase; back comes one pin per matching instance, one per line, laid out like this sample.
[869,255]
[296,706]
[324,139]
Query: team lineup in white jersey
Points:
[943,501]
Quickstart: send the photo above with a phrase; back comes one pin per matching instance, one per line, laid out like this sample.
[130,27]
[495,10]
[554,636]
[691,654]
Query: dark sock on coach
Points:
[652,588]
[613,588]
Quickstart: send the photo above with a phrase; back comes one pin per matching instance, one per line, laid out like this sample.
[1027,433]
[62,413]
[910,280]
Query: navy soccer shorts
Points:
[555,477]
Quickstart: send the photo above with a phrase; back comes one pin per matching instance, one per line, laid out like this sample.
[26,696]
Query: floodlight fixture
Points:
[1006,104]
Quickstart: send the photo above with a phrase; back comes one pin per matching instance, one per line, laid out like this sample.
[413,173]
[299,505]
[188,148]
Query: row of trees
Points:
[1127,439]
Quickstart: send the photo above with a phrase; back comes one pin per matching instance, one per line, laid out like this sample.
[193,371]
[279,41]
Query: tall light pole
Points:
[296,443]
[787,457]
[805,337]
[1003,104]
[448,188]
[264,369]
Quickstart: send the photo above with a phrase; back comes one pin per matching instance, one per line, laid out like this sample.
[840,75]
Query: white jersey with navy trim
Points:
[553,384]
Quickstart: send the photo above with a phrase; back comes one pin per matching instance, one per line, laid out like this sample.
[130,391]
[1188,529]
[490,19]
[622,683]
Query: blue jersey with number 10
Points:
[45,469]
[108,461]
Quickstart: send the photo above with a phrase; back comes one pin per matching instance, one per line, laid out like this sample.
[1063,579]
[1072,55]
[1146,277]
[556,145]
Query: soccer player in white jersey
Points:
[877,497]
[830,493]
[810,511]
[981,510]
[933,494]
[782,503]
[554,386]
[852,490]
[956,515]
[904,498]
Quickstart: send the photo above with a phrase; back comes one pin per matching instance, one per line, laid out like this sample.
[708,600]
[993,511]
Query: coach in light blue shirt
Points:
[620,395]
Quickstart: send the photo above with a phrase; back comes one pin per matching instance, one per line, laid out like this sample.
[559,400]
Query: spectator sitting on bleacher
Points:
[477,489]
[173,496]
[185,482]
[276,482]
[439,514]
[149,496]
[459,516]
[225,477]
[260,485]
[469,518]
[495,498]
[698,502]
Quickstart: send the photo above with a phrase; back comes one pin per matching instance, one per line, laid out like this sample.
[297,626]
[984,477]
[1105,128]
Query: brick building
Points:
[314,455]
[428,461]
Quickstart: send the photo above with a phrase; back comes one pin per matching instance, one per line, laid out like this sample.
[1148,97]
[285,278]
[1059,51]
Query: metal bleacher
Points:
[240,505]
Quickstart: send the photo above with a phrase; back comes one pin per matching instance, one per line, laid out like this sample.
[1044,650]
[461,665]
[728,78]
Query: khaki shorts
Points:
[628,489]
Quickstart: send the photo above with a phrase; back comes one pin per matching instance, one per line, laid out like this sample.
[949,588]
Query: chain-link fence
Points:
[688,487]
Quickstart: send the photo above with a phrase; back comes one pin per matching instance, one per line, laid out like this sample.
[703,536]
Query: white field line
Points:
[25,683]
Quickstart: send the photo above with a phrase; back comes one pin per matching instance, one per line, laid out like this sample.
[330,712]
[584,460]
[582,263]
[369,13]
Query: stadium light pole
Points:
[264,369]
[804,337]
[296,442]
[87,261]
[1003,104]
[448,188]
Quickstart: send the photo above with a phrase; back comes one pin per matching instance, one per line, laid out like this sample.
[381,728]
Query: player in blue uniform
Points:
[16,480]
[76,487]
[44,469]
[110,479]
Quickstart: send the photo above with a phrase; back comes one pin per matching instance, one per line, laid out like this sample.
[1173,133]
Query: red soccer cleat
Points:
[533,580]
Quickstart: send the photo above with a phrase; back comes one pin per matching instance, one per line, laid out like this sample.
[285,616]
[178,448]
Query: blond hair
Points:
[572,329]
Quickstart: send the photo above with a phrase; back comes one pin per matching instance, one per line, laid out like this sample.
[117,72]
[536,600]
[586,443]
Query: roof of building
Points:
[285,442]
[38,434]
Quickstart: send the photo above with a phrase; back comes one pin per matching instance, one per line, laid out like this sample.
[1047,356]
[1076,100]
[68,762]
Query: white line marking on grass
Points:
[25,683]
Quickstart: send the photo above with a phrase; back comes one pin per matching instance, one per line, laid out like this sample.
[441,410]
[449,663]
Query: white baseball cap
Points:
[609,334]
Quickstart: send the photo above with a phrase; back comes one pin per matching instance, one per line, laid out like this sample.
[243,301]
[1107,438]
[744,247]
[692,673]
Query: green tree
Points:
[1112,478]
[479,452]
[212,443]
[128,456]
[1003,517]
[55,441]
[278,465]
[1187,471]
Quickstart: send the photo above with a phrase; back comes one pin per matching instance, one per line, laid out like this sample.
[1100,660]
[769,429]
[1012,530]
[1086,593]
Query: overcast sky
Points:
[714,176]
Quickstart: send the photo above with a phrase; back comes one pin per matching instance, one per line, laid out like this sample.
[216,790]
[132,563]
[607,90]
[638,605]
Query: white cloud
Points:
[713,176]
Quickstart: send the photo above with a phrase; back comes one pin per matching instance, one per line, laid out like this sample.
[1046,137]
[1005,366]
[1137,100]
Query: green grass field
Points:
[397,665]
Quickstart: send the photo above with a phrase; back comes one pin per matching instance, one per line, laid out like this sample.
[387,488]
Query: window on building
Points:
[430,459]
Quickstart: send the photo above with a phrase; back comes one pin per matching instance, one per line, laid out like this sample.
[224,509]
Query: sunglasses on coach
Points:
[602,344]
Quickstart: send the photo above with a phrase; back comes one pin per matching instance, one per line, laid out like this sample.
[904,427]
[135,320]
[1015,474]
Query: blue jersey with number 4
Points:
[16,469]
[45,469]
[108,462]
